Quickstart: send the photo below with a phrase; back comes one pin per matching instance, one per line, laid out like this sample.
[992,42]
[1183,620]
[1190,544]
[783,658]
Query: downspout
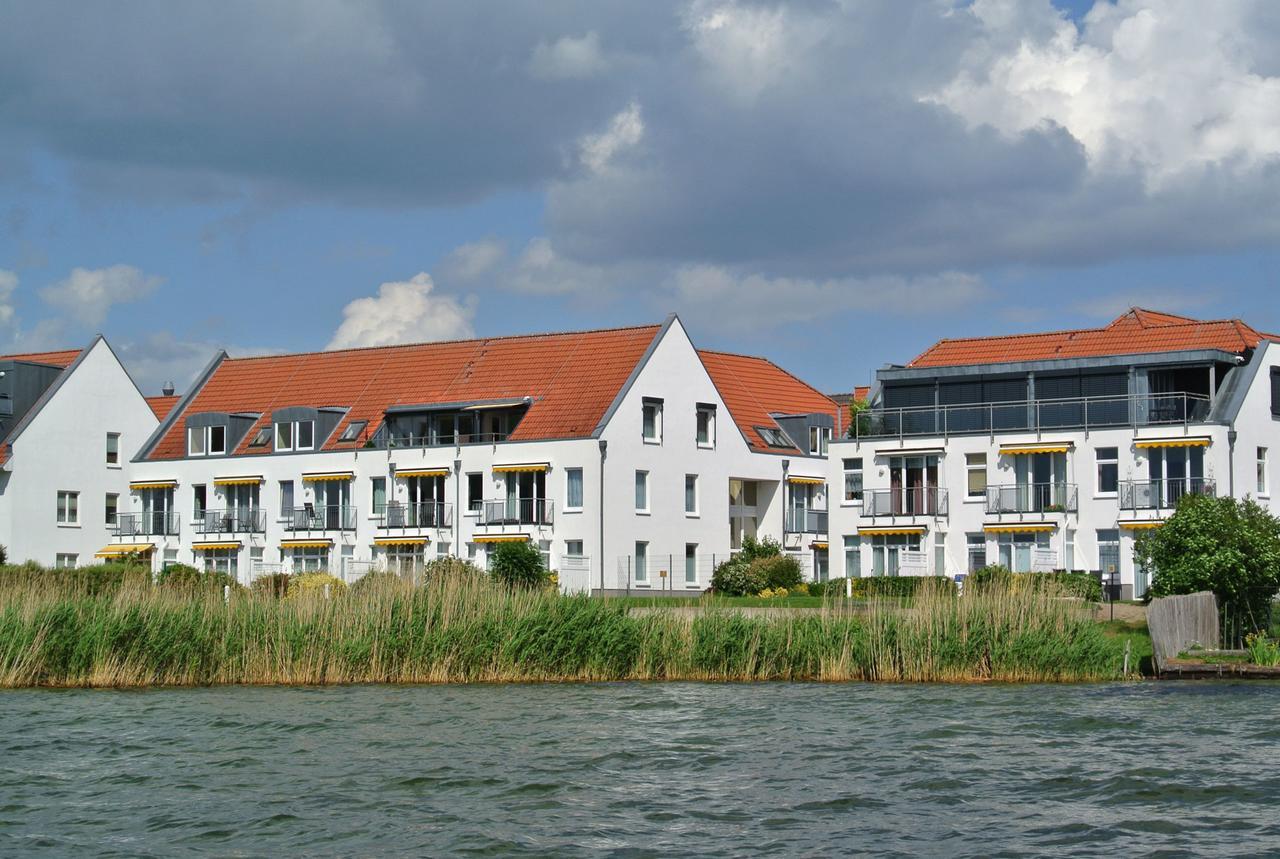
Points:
[604,445]
[457,511]
[1231,459]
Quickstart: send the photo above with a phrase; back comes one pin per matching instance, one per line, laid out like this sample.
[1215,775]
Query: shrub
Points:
[1262,650]
[377,580]
[4,555]
[313,584]
[736,577]
[184,577]
[753,549]
[1075,583]
[88,581]
[778,571]
[518,565]
[449,567]
[900,586]
[272,584]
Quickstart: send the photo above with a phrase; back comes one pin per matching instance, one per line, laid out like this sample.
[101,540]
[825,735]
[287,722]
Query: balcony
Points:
[911,501]
[399,442]
[1033,416]
[331,517]
[154,524]
[251,520]
[424,514]
[1032,498]
[806,521]
[1162,494]
[516,511]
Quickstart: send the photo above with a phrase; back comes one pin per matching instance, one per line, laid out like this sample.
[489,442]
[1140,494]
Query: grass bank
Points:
[467,630]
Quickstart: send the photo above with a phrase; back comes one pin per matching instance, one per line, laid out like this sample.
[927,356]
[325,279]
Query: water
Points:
[643,770]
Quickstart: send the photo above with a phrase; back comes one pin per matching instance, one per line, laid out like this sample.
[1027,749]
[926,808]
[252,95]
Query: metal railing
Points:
[155,523]
[1032,498]
[909,501]
[516,511]
[806,521]
[250,520]
[325,517]
[1032,415]
[419,514]
[399,441]
[1162,494]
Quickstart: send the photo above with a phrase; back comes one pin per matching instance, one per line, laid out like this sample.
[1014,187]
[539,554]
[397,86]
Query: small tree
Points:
[859,418]
[1222,545]
[518,565]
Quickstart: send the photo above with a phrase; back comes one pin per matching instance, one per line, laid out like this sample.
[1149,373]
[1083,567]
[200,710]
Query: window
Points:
[305,437]
[706,433]
[206,441]
[888,550]
[353,431]
[573,488]
[286,500]
[196,441]
[853,557]
[475,491]
[1017,551]
[1275,392]
[976,475]
[307,559]
[443,549]
[1262,471]
[200,500]
[977,550]
[217,440]
[691,494]
[642,492]
[68,508]
[1108,470]
[378,489]
[112,508]
[691,563]
[819,438]
[261,438]
[573,548]
[221,561]
[939,554]
[65,561]
[853,479]
[774,437]
[255,560]
[640,571]
[284,436]
[544,549]
[113,448]
[651,421]
[1069,552]
[1109,553]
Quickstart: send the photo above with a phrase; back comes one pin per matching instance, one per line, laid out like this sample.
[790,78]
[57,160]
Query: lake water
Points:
[644,770]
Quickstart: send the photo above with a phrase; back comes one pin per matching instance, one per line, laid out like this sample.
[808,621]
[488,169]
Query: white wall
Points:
[1256,427]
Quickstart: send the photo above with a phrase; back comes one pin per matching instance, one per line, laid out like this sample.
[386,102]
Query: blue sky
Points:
[833,185]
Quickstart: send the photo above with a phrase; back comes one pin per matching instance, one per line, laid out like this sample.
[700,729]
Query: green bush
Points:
[518,565]
[1076,582]
[272,584]
[736,577]
[899,586]
[314,583]
[778,571]
[186,577]
[753,549]
[449,567]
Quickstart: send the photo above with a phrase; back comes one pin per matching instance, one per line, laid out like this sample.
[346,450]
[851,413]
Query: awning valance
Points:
[1181,441]
[250,480]
[305,544]
[152,484]
[500,538]
[1020,528]
[818,544]
[890,529]
[208,547]
[422,472]
[401,541]
[1038,447]
[523,466]
[117,549]
[911,451]
[328,475]
[806,481]
[1141,525]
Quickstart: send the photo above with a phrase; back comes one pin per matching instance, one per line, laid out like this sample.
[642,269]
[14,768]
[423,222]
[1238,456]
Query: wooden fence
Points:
[1176,623]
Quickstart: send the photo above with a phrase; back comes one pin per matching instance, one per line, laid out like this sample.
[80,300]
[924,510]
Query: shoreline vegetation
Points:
[465,628]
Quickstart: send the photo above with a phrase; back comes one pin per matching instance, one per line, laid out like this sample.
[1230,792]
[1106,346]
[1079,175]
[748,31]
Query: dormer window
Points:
[261,438]
[774,437]
[651,421]
[296,435]
[206,441]
[353,431]
[819,438]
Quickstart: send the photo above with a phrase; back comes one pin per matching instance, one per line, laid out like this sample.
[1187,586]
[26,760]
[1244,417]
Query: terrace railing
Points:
[1032,498]
[806,521]
[148,524]
[325,517]
[516,511]
[422,514]
[400,441]
[1162,494]
[252,520]
[908,501]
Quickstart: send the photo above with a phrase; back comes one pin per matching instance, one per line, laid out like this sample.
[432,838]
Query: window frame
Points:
[68,510]
[697,501]
[642,484]
[353,430]
[849,497]
[283,445]
[59,560]
[1098,463]
[569,505]
[376,484]
[113,456]
[475,493]
[688,568]
[654,403]
[972,468]
[640,550]
[1262,475]
[205,435]
[707,411]
[111,508]
[261,438]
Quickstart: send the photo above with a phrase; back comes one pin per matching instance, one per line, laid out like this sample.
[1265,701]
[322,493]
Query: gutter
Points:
[604,445]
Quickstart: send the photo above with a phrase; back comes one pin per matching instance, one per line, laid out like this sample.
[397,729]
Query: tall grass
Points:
[468,630]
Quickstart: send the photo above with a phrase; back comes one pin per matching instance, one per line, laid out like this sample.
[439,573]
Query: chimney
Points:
[167,390]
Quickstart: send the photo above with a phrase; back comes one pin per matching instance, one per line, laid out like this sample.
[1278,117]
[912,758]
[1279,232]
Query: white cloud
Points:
[8,283]
[89,294]
[473,260]
[159,357]
[625,130]
[568,57]
[403,312]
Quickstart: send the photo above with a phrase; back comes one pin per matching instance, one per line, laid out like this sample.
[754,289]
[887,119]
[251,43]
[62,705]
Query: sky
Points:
[834,184]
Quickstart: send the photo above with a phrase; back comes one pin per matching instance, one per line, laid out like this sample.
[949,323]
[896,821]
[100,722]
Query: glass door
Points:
[332,500]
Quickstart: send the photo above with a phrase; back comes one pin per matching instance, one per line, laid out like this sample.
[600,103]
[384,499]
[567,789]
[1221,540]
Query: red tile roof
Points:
[1137,331]
[573,378]
[756,388]
[162,405]
[61,358]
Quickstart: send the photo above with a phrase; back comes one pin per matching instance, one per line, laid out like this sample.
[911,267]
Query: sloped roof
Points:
[754,389]
[161,406]
[1137,331]
[60,358]
[572,378]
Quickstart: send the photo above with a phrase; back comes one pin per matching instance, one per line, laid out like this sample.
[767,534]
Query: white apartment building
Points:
[1052,451]
[631,459]
[69,421]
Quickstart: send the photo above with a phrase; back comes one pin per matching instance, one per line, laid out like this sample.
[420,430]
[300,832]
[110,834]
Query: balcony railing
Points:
[1033,415]
[326,517]
[910,501]
[156,523]
[1032,498]
[419,441]
[806,521]
[1162,494]
[516,511]
[422,514]
[252,520]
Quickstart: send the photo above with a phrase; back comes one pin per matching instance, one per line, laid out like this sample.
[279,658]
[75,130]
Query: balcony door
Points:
[332,499]
[1042,481]
[426,497]
[242,504]
[157,504]
[526,492]
[806,498]
[1175,471]
[914,484]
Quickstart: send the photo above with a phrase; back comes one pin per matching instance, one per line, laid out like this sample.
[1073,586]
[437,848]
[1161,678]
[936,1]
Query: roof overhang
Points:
[1100,362]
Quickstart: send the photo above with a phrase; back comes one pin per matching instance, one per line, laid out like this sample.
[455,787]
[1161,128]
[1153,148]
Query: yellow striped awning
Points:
[1022,528]
[817,544]
[523,466]
[423,472]
[1141,525]
[251,480]
[401,541]
[305,544]
[328,475]
[117,549]
[1045,447]
[806,481]
[1182,441]
[152,484]
[891,529]
[204,547]
[500,538]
